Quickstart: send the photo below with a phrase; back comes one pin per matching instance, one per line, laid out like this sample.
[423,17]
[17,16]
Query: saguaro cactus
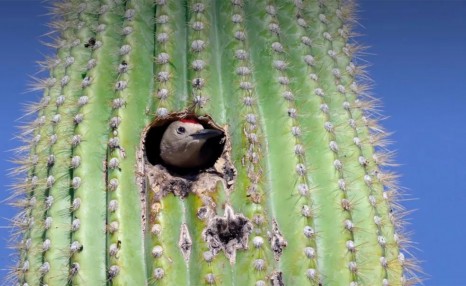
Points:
[297,196]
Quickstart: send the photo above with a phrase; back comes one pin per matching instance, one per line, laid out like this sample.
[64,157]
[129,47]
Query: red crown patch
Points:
[189,120]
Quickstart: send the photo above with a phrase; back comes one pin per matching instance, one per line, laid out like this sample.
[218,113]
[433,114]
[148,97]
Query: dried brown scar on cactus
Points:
[277,240]
[185,242]
[228,233]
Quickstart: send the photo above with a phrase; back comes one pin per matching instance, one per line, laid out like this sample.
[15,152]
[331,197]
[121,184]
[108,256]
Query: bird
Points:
[185,145]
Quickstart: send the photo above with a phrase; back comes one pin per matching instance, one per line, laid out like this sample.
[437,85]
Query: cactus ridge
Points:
[252,144]
[303,192]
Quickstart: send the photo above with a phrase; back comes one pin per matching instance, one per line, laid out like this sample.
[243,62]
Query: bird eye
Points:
[181,129]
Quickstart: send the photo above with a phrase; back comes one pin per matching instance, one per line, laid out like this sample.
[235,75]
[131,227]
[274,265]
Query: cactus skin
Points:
[311,190]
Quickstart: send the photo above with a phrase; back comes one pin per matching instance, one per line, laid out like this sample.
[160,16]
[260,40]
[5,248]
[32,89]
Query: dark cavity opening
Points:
[230,229]
[153,138]
[228,233]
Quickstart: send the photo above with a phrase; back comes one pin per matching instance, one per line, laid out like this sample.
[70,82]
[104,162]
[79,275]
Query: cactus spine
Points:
[299,195]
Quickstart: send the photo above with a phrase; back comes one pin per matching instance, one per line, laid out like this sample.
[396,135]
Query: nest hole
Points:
[153,137]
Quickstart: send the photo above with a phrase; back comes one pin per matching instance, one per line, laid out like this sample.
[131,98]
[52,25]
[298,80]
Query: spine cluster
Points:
[164,71]
[199,51]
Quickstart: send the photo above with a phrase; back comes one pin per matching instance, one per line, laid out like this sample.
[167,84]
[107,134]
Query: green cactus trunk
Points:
[298,195]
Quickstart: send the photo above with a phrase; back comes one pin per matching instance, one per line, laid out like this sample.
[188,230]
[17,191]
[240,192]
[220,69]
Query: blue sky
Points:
[418,64]
[419,71]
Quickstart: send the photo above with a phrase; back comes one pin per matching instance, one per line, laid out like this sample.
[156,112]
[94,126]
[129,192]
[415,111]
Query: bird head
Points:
[182,143]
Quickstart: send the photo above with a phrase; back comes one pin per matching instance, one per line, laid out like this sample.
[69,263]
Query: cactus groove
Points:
[302,193]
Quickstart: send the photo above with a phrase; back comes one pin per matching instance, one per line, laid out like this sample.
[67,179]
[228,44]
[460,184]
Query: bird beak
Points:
[207,133]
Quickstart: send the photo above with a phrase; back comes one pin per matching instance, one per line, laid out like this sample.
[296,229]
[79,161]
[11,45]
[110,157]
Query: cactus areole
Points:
[296,192]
